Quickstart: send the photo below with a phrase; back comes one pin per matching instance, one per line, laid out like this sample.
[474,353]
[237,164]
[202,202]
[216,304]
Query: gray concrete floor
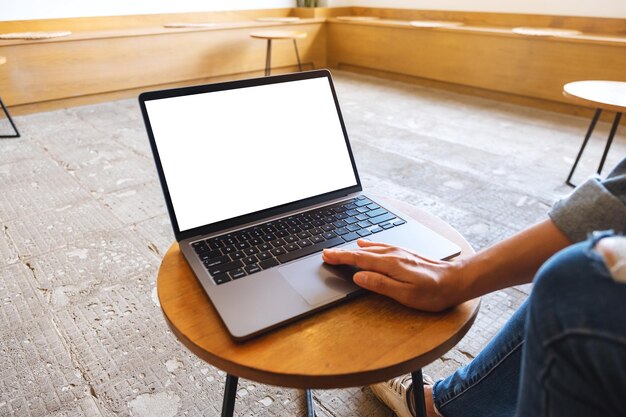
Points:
[84,228]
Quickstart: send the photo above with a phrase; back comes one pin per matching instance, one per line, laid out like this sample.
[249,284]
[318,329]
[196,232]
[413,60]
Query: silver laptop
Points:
[259,177]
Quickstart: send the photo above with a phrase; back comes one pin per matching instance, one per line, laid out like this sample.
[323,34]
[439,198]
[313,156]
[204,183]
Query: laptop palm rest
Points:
[317,282]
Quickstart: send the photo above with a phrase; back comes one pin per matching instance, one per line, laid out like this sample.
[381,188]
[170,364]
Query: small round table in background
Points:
[3,60]
[363,341]
[271,35]
[600,95]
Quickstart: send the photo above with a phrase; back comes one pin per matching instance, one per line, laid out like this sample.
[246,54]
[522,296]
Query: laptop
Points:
[259,177]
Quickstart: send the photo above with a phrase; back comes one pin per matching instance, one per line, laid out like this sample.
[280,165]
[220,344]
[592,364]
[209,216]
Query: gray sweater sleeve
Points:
[594,205]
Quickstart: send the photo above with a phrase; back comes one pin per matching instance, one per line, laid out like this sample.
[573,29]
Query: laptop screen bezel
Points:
[261,214]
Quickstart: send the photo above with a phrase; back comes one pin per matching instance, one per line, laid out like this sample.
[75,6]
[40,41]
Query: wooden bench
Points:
[114,57]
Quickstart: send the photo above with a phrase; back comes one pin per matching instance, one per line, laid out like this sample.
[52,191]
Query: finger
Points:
[423,258]
[359,258]
[368,243]
[381,284]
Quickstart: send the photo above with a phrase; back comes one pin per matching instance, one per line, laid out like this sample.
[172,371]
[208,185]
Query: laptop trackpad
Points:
[318,282]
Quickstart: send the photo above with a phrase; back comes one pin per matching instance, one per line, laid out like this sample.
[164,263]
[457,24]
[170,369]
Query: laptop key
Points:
[364,232]
[290,247]
[341,231]
[316,231]
[328,235]
[362,202]
[277,243]
[328,227]
[310,249]
[304,242]
[350,236]
[316,239]
[383,218]
[399,222]
[363,209]
[303,235]
[376,229]
[221,278]
[210,255]
[364,223]
[340,223]
[353,227]
[251,251]
[200,247]
[229,266]
[351,220]
[215,244]
[251,269]
[268,263]
[237,255]
[278,251]
[352,212]
[387,226]
[248,260]
[264,247]
[373,206]
[264,255]
[237,273]
[216,261]
[269,237]
[362,216]
[377,212]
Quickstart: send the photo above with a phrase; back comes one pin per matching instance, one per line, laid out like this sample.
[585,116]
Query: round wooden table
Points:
[600,95]
[3,60]
[363,341]
[271,35]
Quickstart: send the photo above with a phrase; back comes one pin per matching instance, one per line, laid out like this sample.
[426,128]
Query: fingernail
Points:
[360,278]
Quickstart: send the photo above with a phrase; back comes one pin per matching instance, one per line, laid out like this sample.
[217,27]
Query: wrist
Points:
[456,282]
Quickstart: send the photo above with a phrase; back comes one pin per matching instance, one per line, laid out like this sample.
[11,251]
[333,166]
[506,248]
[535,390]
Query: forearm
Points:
[513,261]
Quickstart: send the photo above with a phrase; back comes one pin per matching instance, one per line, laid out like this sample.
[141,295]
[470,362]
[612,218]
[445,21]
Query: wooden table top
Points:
[2,60]
[607,95]
[278,34]
[363,341]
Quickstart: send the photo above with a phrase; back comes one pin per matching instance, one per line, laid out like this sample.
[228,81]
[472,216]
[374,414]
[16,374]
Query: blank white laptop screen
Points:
[229,153]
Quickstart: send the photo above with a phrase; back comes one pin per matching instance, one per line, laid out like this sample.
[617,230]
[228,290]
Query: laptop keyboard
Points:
[244,252]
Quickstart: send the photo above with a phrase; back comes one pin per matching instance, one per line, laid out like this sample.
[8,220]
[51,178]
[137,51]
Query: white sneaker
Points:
[393,393]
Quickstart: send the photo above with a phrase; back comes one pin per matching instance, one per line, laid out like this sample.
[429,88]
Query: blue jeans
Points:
[563,353]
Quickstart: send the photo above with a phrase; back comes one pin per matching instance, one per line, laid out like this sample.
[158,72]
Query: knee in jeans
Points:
[563,280]
[613,251]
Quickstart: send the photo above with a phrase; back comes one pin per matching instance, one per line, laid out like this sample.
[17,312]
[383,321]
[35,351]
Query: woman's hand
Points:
[405,276]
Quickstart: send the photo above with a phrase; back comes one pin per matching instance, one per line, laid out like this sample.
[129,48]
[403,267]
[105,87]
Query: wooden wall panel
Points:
[136,21]
[533,67]
[584,24]
[56,70]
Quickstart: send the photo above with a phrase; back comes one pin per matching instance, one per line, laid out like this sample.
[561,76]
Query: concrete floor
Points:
[84,228]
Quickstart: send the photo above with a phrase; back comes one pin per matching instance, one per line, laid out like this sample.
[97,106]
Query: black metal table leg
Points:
[295,45]
[268,58]
[6,112]
[310,407]
[418,393]
[230,391]
[582,148]
[618,116]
